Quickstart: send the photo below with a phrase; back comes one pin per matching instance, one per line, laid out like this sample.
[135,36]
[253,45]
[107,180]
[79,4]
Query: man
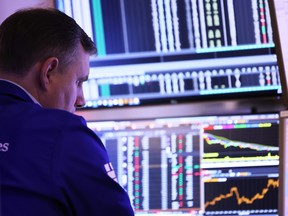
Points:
[51,163]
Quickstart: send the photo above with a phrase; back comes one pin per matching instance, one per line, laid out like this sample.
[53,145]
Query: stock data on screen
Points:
[210,165]
[165,51]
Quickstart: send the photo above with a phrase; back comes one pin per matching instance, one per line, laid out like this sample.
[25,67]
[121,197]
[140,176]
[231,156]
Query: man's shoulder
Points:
[59,118]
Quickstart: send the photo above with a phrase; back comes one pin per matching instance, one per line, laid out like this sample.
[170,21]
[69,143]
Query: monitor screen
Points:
[279,17]
[204,165]
[167,52]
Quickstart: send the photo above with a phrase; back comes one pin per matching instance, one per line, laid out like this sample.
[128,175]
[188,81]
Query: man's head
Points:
[47,53]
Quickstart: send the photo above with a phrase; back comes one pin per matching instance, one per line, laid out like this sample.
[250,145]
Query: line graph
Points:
[241,142]
[234,198]
[213,139]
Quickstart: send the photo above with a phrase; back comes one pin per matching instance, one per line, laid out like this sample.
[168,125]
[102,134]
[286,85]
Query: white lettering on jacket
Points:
[4,147]
[110,171]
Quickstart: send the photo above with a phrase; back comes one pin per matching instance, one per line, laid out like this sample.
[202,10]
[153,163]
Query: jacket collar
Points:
[14,90]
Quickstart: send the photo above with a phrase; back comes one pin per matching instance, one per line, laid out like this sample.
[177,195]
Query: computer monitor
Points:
[153,52]
[198,165]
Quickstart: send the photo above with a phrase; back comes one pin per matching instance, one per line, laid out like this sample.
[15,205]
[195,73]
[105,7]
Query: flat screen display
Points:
[172,51]
[204,165]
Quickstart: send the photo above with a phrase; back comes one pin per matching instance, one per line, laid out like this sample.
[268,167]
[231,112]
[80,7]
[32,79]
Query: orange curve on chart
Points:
[240,200]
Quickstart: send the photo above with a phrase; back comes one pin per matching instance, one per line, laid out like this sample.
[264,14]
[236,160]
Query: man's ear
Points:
[48,69]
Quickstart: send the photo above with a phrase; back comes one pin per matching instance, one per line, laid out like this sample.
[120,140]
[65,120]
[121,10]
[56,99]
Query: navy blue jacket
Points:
[52,164]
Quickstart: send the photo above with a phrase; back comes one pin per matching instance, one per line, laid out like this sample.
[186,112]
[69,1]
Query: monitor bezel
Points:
[283,163]
[280,35]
